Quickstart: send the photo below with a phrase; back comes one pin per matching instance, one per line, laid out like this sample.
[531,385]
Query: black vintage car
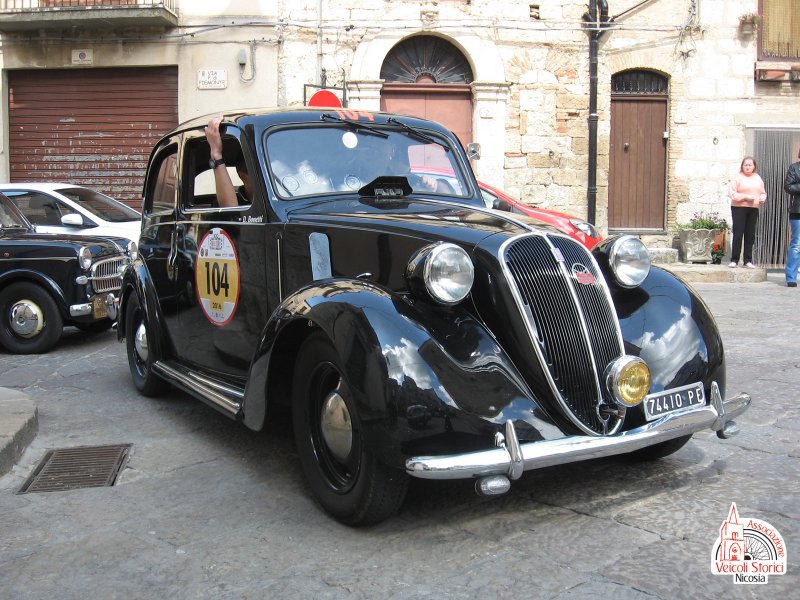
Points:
[410,330]
[51,280]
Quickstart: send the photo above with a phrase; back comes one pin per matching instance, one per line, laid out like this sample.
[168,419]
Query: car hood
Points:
[60,244]
[427,219]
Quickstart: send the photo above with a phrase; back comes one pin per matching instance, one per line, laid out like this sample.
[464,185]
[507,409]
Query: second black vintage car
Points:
[51,280]
[410,330]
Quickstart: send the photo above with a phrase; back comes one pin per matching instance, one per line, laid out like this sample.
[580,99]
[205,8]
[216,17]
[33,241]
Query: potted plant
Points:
[748,23]
[698,236]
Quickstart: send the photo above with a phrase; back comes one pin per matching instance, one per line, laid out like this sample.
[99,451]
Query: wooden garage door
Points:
[450,105]
[92,127]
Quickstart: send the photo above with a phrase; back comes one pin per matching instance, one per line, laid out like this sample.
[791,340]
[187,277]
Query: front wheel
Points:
[30,321]
[346,478]
[140,359]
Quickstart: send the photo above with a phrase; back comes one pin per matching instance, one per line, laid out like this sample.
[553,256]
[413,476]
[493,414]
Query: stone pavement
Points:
[208,510]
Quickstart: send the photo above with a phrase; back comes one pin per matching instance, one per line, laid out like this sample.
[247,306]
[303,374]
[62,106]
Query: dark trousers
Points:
[744,227]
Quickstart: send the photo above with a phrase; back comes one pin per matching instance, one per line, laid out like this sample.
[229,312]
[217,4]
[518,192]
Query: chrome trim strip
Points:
[279,250]
[78,310]
[537,455]
[208,389]
[567,275]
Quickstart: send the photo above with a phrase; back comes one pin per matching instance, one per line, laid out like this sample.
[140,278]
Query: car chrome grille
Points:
[107,274]
[572,323]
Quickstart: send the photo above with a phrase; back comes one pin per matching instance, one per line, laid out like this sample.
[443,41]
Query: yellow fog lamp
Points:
[628,380]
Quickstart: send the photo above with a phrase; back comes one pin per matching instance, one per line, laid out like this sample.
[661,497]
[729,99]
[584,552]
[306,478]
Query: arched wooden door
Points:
[428,77]
[638,152]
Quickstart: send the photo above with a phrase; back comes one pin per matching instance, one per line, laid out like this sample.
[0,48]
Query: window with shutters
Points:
[779,32]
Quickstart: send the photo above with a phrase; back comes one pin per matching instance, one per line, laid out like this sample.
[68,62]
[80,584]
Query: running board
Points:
[222,396]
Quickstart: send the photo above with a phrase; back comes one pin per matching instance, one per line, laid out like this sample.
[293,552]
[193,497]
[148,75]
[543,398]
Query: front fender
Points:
[46,282]
[137,281]
[667,324]
[442,386]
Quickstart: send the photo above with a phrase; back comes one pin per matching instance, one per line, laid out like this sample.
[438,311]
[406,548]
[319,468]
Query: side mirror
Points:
[473,151]
[72,220]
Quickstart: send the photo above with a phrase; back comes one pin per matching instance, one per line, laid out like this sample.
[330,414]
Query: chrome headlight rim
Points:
[629,261]
[437,288]
[585,228]
[618,373]
[85,258]
[132,250]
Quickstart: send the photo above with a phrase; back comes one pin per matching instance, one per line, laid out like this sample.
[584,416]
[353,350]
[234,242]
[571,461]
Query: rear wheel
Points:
[140,359]
[344,475]
[30,321]
[657,451]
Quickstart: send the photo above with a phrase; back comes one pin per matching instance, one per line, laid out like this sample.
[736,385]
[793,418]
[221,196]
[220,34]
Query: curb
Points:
[705,273]
[18,426]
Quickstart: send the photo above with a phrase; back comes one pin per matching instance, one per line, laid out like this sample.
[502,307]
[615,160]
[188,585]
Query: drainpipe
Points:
[594,43]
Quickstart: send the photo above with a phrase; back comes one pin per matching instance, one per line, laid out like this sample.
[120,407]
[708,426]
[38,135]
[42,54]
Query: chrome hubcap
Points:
[140,342]
[26,319]
[337,430]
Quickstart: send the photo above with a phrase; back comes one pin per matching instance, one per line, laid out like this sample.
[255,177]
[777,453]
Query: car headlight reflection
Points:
[629,260]
[85,257]
[444,270]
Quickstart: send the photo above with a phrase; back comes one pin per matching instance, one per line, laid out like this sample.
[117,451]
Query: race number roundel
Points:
[216,277]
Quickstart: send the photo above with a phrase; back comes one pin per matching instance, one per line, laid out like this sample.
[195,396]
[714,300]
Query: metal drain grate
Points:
[75,468]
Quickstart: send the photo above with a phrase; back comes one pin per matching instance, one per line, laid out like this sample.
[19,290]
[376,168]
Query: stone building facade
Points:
[527,83]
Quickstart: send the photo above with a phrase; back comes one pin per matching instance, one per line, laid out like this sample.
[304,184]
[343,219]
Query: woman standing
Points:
[747,193]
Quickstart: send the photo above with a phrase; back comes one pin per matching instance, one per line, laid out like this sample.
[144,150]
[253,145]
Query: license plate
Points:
[99,308]
[674,400]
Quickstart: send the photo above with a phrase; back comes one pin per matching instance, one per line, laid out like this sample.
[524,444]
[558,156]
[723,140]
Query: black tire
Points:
[38,324]
[351,485]
[657,451]
[96,327]
[139,360]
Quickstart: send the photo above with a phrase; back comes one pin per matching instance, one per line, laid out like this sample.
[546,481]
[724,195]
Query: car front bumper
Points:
[510,458]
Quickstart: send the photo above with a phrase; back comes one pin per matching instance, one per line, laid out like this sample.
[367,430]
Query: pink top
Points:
[747,190]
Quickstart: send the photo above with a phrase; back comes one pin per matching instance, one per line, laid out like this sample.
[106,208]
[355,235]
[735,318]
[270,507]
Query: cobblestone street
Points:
[209,509]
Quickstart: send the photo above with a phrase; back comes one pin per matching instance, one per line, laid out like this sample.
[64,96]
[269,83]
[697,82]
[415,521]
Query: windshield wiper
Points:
[417,133]
[355,124]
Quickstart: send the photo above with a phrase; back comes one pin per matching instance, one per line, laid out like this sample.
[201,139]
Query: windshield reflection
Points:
[334,159]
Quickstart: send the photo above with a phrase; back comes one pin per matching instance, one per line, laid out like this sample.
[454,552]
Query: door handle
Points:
[625,146]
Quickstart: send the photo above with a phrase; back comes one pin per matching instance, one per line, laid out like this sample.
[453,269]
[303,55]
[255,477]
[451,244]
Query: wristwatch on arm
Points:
[213,163]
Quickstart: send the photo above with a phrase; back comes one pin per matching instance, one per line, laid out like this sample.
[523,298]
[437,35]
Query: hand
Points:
[214,138]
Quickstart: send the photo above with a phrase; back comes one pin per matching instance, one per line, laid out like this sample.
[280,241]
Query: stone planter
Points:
[696,244]
[746,29]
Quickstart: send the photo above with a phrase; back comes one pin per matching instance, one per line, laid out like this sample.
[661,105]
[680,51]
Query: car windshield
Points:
[100,205]
[339,158]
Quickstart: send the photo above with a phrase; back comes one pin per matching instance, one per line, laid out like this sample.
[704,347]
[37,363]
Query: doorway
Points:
[428,77]
[638,152]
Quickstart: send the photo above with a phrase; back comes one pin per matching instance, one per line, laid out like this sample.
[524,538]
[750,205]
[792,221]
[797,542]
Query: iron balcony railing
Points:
[37,4]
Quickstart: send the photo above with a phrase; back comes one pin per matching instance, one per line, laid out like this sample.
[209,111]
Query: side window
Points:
[162,183]
[204,185]
[40,209]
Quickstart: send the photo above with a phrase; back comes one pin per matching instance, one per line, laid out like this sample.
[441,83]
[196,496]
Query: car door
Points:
[219,260]
[158,230]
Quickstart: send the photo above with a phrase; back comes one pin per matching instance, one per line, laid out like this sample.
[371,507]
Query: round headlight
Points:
[448,273]
[132,250]
[628,380]
[629,260]
[85,257]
